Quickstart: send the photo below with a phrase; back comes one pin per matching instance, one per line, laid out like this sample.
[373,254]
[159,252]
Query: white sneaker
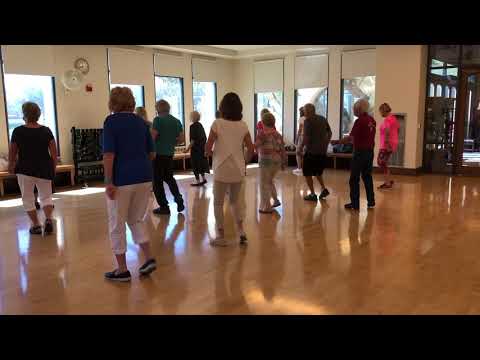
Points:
[297,171]
[219,242]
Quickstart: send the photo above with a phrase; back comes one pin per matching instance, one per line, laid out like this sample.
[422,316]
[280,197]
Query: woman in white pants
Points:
[33,158]
[127,154]
[228,138]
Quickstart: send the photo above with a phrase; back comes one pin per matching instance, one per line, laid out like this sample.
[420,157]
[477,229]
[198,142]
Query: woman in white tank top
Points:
[227,141]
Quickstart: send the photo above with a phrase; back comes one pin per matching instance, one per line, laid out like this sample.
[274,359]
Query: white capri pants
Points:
[27,186]
[129,206]
[236,193]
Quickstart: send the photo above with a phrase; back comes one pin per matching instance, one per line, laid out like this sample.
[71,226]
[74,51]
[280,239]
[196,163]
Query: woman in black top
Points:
[198,139]
[35,165]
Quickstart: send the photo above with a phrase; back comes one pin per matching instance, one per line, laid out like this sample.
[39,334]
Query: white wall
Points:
[401,82]
[88,110]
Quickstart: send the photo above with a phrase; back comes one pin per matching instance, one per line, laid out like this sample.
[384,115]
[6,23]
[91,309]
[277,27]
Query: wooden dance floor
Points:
[416,253]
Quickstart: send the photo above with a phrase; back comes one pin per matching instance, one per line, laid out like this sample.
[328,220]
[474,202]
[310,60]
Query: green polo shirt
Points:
[168,128]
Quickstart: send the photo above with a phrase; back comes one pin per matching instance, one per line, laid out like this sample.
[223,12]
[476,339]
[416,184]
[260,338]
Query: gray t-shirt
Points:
[317,135]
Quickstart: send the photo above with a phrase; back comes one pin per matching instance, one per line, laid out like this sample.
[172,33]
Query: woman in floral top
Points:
[271,158]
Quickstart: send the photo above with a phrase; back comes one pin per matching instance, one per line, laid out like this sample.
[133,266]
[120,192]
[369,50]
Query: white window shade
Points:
[29,59]
[268,75]
[311,71]
[130,67]
[358,63]
[204,70]
[170,65]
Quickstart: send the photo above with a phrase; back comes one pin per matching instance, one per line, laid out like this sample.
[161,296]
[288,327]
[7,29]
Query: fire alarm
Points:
[88,88]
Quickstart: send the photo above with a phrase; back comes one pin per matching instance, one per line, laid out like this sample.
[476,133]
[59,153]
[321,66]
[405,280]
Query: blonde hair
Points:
[121,99]
[385,108]
[263,112]
[268,119]
[31,111]
[142,112]
[162,106]
[361,106]
[195,116]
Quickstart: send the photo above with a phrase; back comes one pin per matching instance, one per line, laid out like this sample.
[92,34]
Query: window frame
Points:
[255,105]
[215,92]
[295,117]
[55,110]
[127,85]
[182,92]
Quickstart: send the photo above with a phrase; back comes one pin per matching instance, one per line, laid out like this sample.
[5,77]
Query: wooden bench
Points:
[183,157]
[60,169]
[333,155]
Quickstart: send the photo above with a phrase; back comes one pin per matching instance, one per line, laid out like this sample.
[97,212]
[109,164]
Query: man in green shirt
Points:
[167,132]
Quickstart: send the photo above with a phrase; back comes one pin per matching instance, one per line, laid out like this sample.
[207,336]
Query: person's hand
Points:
[208,153]
[389,147]
[111,191]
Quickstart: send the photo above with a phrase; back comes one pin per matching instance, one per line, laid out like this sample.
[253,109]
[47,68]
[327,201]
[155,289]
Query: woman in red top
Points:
[363,138]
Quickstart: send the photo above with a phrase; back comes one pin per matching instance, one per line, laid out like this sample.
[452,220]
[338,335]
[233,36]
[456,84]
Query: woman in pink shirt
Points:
[388,142]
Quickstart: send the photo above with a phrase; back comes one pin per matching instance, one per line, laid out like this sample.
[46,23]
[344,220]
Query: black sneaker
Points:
[148,267]
[243,239]
[351,207]
[116,276]
[36,230]
[162,210]
[180,206]
[48,227]
[371,206]
[324,194]
[37,205]
[204,182]
[311,197]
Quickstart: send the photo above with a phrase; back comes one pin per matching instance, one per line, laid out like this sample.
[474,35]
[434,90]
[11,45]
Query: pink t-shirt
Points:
[391,124]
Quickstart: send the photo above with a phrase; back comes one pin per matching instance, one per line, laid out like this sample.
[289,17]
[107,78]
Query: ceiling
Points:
[243,47]
[252,51]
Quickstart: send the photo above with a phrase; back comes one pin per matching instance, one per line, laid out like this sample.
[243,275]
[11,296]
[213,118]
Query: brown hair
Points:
[268,119]
[263,112]
[142,112]
[231,107]
[31,111]
[162,106]
[121,99]
[385,108]
[301,111]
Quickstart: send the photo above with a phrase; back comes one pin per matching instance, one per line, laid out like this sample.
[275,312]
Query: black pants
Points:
[163,172]
[362,164]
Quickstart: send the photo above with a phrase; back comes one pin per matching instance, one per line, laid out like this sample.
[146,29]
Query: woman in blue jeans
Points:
[363,138]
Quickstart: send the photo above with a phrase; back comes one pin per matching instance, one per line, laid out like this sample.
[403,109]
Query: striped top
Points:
[270,147]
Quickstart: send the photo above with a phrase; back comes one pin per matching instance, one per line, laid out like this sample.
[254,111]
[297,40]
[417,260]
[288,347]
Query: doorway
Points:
[467,124]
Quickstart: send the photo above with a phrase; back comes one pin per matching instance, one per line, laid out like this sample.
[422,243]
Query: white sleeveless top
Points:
[228,153]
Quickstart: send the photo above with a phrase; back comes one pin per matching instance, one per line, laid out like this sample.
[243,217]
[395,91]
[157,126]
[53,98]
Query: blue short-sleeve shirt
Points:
[128,137]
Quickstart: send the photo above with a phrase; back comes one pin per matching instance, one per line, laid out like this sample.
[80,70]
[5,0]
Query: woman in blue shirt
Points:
[127,154]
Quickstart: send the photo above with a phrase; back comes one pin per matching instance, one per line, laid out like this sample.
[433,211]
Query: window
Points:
[447,91]
[273,101]
[36,88]
[205,102]
[352,91]
[438,92]
[453,94]
[431,93]
[315,96]
[171,89]
[137,90]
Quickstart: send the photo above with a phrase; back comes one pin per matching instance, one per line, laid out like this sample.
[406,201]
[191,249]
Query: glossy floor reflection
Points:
[416,253]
